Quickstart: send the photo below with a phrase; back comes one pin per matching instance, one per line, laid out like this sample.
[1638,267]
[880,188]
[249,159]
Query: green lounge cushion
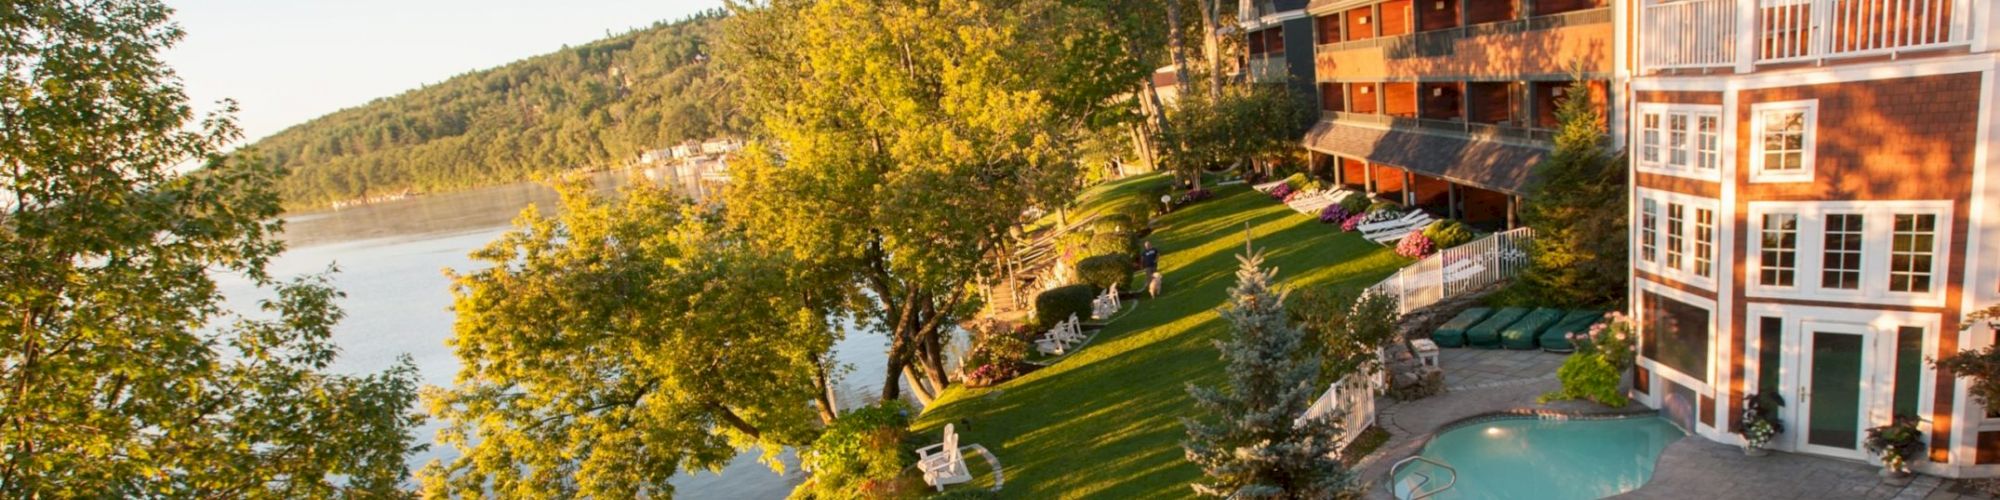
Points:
[1452,333]
[1487,332]
[1556,338]
[1521,334]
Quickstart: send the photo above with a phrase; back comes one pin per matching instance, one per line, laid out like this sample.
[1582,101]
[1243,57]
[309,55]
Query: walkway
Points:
[1480,381]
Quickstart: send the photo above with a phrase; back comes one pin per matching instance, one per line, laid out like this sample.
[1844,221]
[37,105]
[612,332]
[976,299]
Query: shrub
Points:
[1353,222]
[1104,271]
[1114,223]
[1379,206]
[1602,356]
[1281,192]
[1312,186]
[1334,214]
[1448,233]
[1057,304]
[1415,245]
[1296,180]
[1355,203]
[863,450]
[1140,210]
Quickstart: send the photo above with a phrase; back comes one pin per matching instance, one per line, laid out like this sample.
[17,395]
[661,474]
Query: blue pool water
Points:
[1542,459]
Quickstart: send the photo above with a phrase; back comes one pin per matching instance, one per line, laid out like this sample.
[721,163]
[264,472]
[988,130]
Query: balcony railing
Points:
[1705,33]
[1454,128]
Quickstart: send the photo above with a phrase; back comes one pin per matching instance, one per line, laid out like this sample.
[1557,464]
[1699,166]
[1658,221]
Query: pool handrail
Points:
[1416,492]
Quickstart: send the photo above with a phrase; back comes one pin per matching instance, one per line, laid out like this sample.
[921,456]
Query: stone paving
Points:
[1479,381]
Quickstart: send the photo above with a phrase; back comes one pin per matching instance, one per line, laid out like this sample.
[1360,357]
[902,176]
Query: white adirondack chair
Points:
[1105,305]
[942,463]
[1462,270]
[1268,186]
[1389,232]
[1061,338]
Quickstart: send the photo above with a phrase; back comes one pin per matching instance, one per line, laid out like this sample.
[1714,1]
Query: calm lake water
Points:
[391,258]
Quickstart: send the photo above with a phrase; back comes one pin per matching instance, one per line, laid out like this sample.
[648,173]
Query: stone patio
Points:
[1479,381]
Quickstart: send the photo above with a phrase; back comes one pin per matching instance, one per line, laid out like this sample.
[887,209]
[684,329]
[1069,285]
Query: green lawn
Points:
[1104,422]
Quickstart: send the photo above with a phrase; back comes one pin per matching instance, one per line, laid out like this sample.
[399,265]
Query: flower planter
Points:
[1755,451]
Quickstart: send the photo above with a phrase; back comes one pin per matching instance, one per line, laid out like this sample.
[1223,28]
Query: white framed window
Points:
[1649,233]
[1875,252]
[1704,242]
[1675,228]
[1913,253]
[1683,140]
[1679,236]
[1778,250]
[1782,141]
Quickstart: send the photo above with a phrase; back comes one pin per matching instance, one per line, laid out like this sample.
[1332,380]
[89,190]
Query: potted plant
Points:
[1760,423]
[1897,444]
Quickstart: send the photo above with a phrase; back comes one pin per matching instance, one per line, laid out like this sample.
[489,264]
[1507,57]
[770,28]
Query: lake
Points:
[391,258]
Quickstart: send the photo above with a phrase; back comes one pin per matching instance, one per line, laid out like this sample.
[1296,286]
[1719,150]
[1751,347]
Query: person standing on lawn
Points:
[1149,259]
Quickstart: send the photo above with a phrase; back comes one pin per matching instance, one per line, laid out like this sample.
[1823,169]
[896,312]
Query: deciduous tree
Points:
[121,373]
[617,343]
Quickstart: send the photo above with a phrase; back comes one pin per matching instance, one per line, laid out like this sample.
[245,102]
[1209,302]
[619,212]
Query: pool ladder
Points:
[1417,492]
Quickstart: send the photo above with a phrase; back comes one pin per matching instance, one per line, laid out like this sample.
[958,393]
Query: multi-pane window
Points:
[1782,142]
[1675,219]
[1707,142]
[1840,263]
[1778,252]
[1649,138]
[1649,234]
[1704,242]
[1677,138]
[1911,253]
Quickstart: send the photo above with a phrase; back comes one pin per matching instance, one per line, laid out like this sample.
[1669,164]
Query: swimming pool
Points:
[1532,457]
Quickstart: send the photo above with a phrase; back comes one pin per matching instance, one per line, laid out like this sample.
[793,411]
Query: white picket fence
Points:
[1354,397]
[1458,270]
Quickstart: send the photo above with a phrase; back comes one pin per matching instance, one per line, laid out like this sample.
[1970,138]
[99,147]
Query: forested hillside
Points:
[578,107]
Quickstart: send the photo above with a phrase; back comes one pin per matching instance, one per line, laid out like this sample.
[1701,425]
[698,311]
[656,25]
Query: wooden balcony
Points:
[1680,34]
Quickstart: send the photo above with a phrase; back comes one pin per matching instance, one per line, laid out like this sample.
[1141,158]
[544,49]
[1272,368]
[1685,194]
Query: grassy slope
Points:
[1104,423]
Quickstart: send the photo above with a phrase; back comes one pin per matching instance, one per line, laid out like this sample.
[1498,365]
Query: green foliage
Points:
[996,343]
[1981,366]
[1449,233]
[966,494]
[1577,209]
[860,452]
[1248,121]
[1897,444]
[1380,205]
[1114,223]
[1057,304]
[899,141]
[1140,210]
[1588,377]
[1347,328]
[1355,203]
[1602,356]
[593,105]
[1247,443]
[609,347]
[126,376]
[1105,271]
[1296,180]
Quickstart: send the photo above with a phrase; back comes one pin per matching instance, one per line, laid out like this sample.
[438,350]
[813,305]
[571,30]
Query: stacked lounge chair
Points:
[1521,334]
[1487,333]
[1452,333]
[1556,337]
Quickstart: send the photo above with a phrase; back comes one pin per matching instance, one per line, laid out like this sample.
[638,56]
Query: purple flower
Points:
[1333,214]
[1282,191]
[1352,222]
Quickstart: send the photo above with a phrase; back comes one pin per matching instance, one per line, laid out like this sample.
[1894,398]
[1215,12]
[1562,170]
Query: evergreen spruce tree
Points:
[1577,209]
[1253,446]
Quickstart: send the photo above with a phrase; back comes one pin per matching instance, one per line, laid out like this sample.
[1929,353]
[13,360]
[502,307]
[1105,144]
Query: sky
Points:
[289,61]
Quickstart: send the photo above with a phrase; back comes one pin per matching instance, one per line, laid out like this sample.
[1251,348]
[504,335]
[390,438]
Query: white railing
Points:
[1458,270]
[1706,33]
[1690,34]
[1790,30]
[1354,398]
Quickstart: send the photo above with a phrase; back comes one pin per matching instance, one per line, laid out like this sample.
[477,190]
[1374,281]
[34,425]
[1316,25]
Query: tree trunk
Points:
[829,408]
[931,356]
[923,394]
[891,390]
[1177,45]
[1212,49]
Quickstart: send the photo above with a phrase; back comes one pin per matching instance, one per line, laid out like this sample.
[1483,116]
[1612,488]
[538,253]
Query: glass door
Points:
[1834,401]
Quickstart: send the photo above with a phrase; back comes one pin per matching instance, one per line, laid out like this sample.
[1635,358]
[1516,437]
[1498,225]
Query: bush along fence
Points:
[1458,270]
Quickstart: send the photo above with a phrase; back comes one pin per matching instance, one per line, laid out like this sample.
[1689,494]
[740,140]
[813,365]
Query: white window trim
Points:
[1878,220]
[1691,168]
[1639,325]
[1810,142]
[1689,205]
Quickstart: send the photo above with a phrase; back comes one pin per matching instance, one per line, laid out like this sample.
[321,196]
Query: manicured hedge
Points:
[1103,271]
[1058,304]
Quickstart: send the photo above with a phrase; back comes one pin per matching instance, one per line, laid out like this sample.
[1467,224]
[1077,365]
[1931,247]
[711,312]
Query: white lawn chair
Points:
[1061,338]
[1462,270]
[942,463]
[1105,305]
[1268,186]
[1389,232]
